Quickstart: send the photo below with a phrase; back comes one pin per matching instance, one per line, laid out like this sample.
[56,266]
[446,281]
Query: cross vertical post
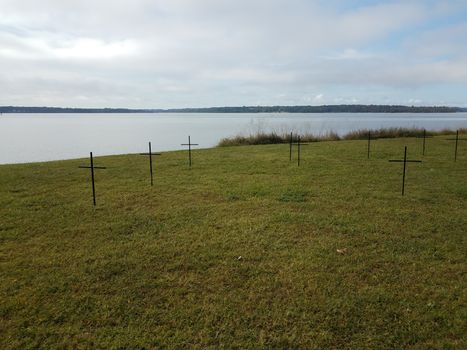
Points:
[150,154]
[298,150]
[424,139]
[92,167]
[405,166]
[369,140]
[424,136]
[299,144]
[405,161]
[457,139]
[150,162]
[369,144]
[189,149]
[93,185]
[189,144]
[290,147]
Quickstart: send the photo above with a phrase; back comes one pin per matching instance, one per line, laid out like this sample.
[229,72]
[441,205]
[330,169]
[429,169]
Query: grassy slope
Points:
[158,267]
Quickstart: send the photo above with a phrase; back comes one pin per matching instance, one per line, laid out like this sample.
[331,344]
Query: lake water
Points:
[44,137]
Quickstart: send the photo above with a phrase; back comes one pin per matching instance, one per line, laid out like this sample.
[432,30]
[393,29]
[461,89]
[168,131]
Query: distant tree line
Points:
[247,109]
[16,109]
[323,109]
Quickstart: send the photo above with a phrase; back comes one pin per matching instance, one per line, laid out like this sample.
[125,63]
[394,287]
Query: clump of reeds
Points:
[263,138]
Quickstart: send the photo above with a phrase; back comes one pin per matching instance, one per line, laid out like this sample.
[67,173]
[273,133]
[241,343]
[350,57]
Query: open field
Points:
[241,251]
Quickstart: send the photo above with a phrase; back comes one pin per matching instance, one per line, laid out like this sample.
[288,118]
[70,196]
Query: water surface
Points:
[44,137]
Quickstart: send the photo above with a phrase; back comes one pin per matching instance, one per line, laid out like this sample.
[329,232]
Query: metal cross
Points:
[457,141]
[290,147]
[405,161]
[189,144]
[150,154]
[424,136]
[92,167]
[299,144]
[369,141]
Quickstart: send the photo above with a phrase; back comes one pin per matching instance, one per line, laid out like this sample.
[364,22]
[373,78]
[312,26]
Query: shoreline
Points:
[270,138]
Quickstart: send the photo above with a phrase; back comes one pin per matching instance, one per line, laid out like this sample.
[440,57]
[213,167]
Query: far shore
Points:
[246,109]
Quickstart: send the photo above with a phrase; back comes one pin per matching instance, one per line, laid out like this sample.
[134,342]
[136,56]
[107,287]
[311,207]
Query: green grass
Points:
[239,252]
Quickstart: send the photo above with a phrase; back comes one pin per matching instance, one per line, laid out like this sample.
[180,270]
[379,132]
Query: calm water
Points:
[43,137]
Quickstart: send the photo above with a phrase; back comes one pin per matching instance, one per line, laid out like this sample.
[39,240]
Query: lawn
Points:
[245,250]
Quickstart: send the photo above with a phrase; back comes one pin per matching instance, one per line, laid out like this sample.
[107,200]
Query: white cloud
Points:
[318,98]
[94,49]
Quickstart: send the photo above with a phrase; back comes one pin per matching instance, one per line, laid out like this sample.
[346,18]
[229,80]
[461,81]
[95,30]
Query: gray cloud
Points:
[175,53]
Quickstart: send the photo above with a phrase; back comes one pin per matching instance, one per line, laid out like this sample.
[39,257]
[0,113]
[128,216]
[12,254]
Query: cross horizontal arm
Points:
[189,144]
[95,167]
[402,161]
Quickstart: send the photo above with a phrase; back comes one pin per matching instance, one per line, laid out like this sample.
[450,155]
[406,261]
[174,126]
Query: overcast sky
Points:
[193,53]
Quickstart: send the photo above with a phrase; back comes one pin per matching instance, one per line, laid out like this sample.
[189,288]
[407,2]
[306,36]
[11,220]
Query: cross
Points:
[369,140]
[150,154]
[405,160]
[92,167]
[189,144]
[299,144]
[457,141]
[290,147]
[424,136]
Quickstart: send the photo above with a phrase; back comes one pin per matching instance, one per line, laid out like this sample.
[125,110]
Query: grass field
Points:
[245,250]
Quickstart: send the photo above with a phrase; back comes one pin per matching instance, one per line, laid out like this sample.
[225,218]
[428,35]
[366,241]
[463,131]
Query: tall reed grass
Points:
[263,138]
